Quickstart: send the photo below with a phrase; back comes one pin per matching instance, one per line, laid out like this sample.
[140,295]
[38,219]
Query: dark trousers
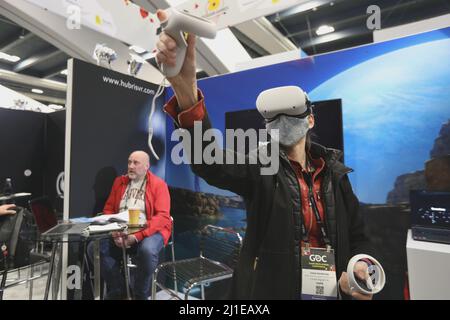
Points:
[146,259]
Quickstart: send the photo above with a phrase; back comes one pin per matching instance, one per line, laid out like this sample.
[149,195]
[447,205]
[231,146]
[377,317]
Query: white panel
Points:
[428,265]
[262,32]
[269,60]
[79,44]
[119,19]
[227,13]
[67,155]
[412,28]
[9,98]
[221,45]
[125,21]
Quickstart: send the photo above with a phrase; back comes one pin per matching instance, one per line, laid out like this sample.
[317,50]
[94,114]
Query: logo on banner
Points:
[60,185]
[318,258]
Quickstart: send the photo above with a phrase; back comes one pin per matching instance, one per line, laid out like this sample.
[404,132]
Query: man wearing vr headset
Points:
[307,206]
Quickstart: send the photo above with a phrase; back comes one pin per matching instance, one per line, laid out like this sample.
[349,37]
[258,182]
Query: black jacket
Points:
[269,264]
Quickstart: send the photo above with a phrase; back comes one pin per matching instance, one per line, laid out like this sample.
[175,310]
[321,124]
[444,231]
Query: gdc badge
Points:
[318,274]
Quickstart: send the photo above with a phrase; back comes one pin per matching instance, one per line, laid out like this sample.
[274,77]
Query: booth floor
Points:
[21,291]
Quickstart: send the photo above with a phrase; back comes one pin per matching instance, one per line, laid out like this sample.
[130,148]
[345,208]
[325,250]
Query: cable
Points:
[152,111]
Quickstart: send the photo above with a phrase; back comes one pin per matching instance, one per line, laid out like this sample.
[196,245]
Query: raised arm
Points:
[188,107]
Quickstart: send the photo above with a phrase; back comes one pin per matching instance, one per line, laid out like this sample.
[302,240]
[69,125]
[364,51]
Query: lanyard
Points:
[313,204]
[129,190]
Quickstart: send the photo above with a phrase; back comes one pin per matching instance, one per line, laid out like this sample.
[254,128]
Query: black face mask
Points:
[290,129]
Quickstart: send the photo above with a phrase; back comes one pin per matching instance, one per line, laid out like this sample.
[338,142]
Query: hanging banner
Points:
[127,22]
[120,19]
[226,13]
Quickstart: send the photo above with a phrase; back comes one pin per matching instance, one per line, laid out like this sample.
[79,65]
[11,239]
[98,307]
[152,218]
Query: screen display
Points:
[430,209]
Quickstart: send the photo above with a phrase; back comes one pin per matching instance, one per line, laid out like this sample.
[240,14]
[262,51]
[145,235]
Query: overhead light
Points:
[8,57]
[305,6]
[104,55]
[135,64]
[137,49]
[38,91]
[324,30]
[64,72]
[55,106]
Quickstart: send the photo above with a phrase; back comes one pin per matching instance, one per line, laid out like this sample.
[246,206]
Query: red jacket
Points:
[157,205]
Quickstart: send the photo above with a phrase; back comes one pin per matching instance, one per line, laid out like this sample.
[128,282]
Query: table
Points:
[428,266]
[84,239]
[15,196]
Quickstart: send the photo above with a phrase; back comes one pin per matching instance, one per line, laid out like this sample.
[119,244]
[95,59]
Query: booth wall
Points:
[396,116]
[33,141]
[109,119]
[54,159]
[22,148]
[394,95]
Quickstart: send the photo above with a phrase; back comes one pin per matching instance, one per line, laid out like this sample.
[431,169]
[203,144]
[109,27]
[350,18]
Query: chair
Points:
[45,218]
[219,252]
[9,237]
[44,214]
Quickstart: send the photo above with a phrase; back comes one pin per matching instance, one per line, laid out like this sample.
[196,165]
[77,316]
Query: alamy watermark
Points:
[74,277]
[197,150]
[74,17]
[374,20]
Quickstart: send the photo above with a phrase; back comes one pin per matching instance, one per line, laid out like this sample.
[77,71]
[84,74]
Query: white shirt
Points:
[134,196]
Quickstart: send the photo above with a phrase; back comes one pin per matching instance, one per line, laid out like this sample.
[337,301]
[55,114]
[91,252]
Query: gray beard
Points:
[290,129]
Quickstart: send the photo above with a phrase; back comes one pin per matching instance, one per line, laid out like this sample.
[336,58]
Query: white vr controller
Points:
[288,100]
[375,277]
[176,24]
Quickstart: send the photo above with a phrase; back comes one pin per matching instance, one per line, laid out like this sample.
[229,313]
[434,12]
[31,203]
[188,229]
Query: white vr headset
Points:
[289,100]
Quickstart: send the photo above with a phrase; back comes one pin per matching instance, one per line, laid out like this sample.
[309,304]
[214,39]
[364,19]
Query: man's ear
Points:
[311,121]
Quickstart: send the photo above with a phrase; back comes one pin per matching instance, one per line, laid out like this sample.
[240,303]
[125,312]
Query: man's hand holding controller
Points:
[184,84]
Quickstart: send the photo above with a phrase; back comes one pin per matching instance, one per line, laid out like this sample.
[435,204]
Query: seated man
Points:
[138,189]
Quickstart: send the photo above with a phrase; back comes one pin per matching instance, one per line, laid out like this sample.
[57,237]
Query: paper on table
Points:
[105,228]
[122,216]
[81,220]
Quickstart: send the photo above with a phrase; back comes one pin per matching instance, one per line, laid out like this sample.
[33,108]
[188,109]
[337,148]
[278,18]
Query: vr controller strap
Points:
[158,93]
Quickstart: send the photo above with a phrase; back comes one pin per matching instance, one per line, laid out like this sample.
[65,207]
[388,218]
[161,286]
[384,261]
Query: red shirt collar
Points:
[317,163]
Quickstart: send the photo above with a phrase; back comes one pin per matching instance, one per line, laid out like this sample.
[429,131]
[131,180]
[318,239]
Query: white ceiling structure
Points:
[35,43]
[16,101]
[217,56]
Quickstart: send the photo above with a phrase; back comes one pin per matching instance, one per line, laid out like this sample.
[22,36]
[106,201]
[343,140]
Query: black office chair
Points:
[10,226]
[45,218]
[44,214]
